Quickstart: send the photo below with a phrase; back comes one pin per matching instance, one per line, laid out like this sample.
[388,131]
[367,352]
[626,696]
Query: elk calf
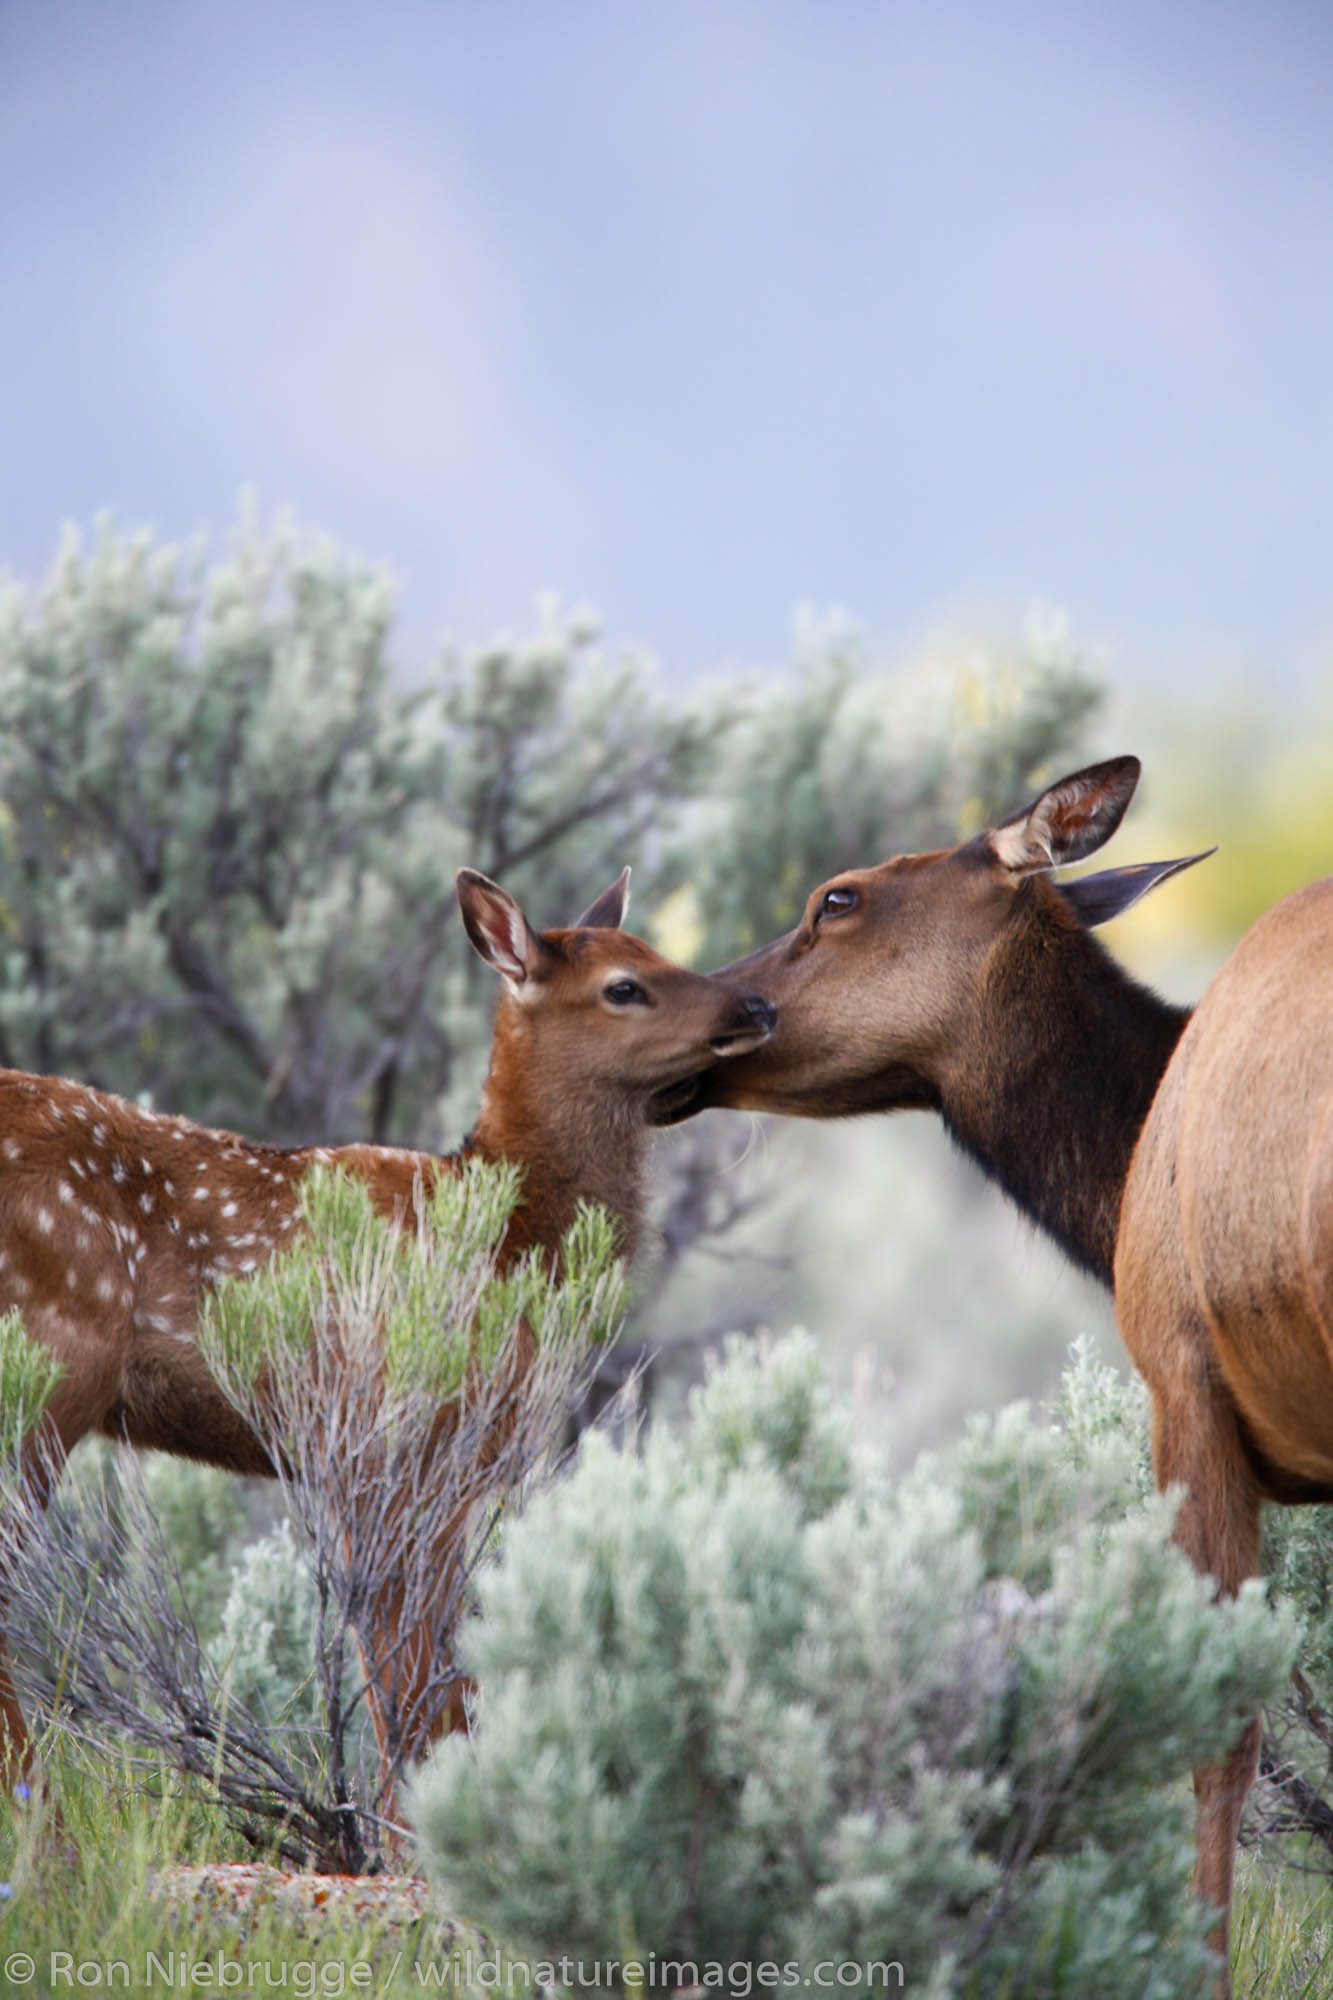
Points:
[114,1220]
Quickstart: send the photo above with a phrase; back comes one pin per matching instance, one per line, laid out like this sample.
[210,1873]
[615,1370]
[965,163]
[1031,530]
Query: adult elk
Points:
[114,1221]
[1187,1160]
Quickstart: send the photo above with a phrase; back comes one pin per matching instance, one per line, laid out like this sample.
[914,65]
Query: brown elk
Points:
[114,1221]
[1187,1160]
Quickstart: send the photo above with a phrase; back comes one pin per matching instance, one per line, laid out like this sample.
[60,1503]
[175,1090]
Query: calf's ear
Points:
[498,929]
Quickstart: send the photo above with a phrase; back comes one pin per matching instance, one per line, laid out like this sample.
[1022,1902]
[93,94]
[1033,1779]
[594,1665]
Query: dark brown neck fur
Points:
[1066,1059]
[574,1143]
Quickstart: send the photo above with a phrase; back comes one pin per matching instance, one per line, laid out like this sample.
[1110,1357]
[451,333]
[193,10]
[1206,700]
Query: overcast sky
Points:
[695,312]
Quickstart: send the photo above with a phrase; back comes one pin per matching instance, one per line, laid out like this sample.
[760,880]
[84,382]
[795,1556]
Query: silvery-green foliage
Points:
[743,1699]
[841,764]
[230,832]
[1103,1421]
[216,814]
[775,1415]
[208,1519]
[230,835]
[265,1646]
[266,1651]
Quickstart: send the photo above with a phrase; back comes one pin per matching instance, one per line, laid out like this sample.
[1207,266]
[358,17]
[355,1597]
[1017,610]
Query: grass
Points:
[84,1908]
[1281,1934]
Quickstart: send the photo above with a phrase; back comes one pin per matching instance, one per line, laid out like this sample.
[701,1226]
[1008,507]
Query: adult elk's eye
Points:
[625,993]
[838,901]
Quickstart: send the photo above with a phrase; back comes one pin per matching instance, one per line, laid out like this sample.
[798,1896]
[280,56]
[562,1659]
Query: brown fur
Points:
[115,1220]
[1192,1165]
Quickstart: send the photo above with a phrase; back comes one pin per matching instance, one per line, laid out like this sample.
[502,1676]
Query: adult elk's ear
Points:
[1098,898]
[1070,820]
[498,929]
[608,912]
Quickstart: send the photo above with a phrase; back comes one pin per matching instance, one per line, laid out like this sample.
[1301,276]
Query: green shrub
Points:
[743,1701]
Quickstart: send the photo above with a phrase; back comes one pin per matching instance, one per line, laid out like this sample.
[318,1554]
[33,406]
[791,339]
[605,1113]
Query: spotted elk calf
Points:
[1185,1160]
[115,1221]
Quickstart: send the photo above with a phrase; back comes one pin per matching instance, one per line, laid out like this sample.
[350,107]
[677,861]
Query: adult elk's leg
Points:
[1197,1445]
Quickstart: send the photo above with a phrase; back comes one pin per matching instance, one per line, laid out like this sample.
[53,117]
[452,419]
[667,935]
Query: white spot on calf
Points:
[13,1150]
[45,1221]
[229,1208]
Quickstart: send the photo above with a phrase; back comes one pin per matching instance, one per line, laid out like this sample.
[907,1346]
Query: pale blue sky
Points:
[925,310]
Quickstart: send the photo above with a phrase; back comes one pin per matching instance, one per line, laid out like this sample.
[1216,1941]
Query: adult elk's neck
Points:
[1058,1079]
[574,1141]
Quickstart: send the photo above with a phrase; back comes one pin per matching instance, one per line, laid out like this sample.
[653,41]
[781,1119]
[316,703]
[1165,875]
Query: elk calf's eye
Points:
[837,901]
[625,992]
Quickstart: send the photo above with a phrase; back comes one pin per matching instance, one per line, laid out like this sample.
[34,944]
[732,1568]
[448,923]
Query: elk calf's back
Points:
[112,1222]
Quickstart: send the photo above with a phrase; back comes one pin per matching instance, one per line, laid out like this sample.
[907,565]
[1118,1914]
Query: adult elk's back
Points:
[1186,1160]
[114,1221]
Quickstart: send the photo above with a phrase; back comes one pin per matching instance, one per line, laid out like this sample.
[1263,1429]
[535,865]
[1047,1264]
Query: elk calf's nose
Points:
[762,1012]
